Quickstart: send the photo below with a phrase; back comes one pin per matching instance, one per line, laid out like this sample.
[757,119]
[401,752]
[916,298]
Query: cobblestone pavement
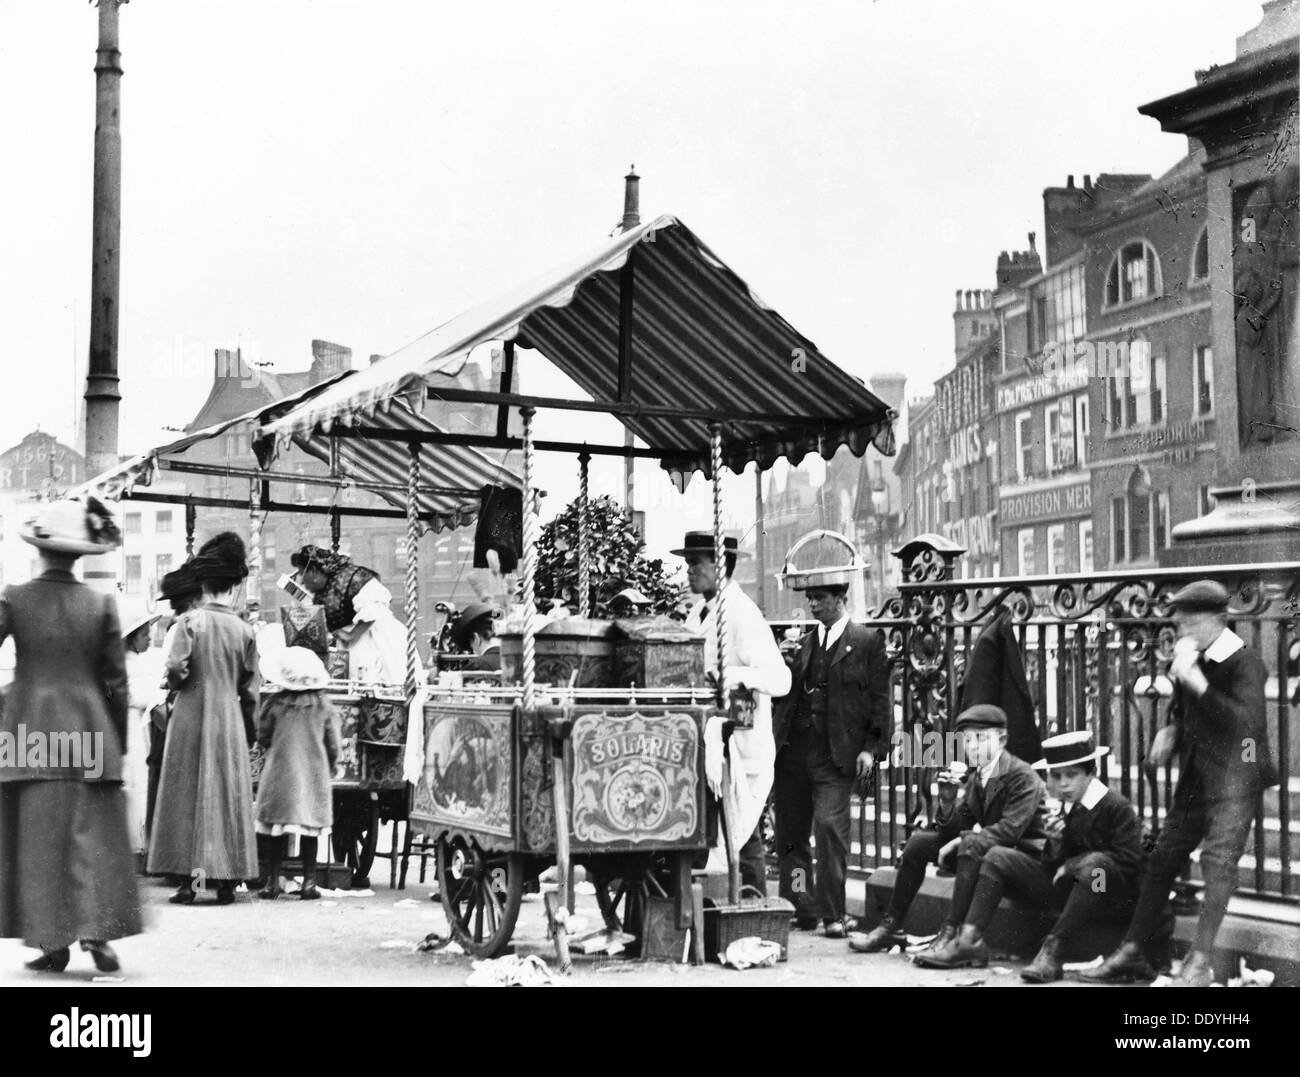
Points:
[370,941]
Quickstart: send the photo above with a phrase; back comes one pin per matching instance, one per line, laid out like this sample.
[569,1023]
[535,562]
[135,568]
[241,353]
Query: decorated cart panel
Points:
[635,776]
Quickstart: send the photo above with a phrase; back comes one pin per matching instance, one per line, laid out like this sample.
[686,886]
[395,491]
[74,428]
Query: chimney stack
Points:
[631,200]
[1069,182]
[1087,181]
[1033,237]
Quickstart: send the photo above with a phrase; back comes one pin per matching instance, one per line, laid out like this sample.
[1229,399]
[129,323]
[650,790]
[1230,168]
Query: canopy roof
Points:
[451,476]
[702,347]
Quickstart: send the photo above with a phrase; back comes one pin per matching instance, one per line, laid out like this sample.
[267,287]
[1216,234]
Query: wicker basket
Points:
[768,918]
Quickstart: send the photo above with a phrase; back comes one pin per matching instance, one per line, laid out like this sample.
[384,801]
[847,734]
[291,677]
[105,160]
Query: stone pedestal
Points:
[1249,525]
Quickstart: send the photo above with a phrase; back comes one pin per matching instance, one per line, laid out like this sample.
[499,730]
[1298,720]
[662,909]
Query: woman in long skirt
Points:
[67,871]
[203,820]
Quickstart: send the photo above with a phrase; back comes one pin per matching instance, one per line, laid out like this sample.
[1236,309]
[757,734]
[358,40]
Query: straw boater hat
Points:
[293,669]
[74,525]
[1069,749]
[702,542]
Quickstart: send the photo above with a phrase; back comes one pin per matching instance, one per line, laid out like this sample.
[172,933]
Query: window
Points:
[1056,549]
[1134,274]
[1160,519]
[1082,428]
[1139,502]
[1085,546]
[1118,530]
[162,566]
[131,523]
[1203,372]
[1058,309]
[1025,542]
[1024,446]
[1137,389]
[1201,259]
[268,554]
[1063,450]
[1205,501]
[162,521]
[131,584]
[1052,423]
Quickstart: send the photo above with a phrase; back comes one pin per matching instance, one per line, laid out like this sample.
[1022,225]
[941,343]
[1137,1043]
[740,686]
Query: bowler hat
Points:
[982,716]
[1202,596]
[1069,749]
[702,542]
[473,617]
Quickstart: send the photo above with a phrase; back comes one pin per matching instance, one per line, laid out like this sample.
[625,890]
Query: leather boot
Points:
[966,950]
[883,937]
[307,849]
[1125,965]
[273,848]
[51,960]
[946,934]
[1046,967]
[1197,971]
[102,954]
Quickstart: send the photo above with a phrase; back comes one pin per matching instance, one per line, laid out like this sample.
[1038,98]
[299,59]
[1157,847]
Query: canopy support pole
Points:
[507,376]
[760,531]
[584,537]
[336,530]
[253,599]
[412,563]
[191,514]
[530,564]
[719,555]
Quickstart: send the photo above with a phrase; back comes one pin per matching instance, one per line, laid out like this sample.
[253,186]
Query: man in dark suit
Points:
[829,732]
[1219,730]
[1005,797]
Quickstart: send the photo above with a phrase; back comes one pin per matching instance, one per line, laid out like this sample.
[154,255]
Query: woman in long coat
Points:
[203,820]
[67,870]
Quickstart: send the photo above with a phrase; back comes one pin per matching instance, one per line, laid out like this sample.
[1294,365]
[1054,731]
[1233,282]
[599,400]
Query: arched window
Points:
[1200,268]
[1133,275]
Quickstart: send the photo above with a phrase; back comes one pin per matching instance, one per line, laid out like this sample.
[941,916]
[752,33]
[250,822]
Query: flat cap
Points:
[1201,596]
[982,716]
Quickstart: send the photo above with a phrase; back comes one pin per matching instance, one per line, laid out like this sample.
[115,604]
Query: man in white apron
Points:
[753,661]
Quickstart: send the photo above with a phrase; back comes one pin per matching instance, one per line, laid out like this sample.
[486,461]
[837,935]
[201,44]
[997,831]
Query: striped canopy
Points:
[451,476]
[702,343]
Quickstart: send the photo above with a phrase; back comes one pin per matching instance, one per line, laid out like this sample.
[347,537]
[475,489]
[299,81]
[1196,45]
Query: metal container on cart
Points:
[659,652]
[575,645]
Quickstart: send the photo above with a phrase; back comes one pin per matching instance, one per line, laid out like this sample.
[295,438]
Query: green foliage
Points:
[617,560]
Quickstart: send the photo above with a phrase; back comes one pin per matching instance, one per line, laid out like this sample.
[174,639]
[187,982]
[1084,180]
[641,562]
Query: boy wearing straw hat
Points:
[1089,865]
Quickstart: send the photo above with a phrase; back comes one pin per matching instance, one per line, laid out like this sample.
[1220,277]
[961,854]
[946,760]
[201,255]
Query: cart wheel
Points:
[481,893]
[355,838]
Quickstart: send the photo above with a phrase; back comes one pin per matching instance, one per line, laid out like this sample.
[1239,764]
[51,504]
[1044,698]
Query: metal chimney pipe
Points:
[631,199]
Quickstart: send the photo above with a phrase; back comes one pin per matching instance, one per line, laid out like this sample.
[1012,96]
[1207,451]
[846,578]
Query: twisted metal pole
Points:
[253,599]
[719,554]
[412,565]
[584,537]
[530,537]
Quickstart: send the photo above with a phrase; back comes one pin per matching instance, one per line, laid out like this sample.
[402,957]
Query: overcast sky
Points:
[362,172]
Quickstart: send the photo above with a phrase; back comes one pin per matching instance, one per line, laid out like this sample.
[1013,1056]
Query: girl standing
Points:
[203,826]
[298,727]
